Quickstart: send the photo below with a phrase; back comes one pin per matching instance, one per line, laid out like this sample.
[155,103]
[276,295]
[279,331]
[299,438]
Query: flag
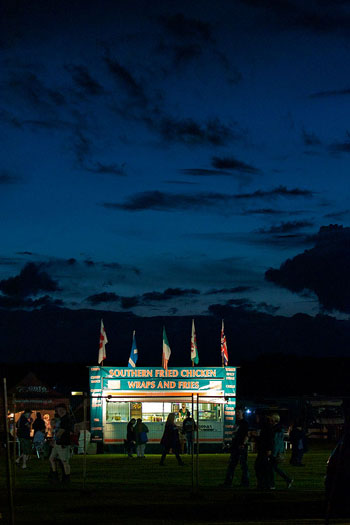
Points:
[224,352]
[134,353]
[166,351]
[103,342]
[194,351]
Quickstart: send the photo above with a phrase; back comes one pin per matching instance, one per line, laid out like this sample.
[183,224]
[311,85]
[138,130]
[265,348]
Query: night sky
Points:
[162,157]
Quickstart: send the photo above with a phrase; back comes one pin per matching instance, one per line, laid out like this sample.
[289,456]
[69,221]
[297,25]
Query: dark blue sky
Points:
[161,156]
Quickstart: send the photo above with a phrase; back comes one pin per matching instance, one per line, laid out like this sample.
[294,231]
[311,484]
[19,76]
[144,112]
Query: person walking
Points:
[264,446]
[239,451]
[188,428]
[39,424]
[61,449]
[278,452]
[298,440]
[170,440]
[130,437]
[23,427]
[141,438]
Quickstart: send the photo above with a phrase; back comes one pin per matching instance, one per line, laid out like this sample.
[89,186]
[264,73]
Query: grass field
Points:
[120,490]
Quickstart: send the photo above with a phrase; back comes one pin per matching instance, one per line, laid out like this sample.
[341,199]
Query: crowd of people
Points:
[269,440]
[173,438]
[52,438]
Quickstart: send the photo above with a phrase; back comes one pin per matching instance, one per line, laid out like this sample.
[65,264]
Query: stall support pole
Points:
[14,450]
[8,459]
[192,456]
[197,451]
[84,458]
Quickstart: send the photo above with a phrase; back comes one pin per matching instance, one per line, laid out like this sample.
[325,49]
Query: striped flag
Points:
[194,350]
[102,347]
[224,352]
[166,351]
[134,352]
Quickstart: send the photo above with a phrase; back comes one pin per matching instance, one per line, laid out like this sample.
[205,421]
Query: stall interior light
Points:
[77,393]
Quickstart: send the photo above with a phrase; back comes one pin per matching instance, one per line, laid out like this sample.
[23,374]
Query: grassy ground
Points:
[119,490]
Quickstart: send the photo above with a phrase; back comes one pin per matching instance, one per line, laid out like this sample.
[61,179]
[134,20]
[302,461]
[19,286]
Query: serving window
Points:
[155,412]
[117,412]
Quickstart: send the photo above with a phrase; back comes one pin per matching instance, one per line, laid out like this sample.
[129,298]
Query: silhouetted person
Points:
[188,429]
[130,437]
[278,451]
[141,438]
[23,433]
[298,440]
[239,451]
[264,446]
[39,424]
[62,439]
[170,440]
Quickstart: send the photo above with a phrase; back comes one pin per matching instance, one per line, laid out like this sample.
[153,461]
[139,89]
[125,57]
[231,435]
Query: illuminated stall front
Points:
[120,394]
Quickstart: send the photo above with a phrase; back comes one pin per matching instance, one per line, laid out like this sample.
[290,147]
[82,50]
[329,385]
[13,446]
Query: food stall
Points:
[120,394]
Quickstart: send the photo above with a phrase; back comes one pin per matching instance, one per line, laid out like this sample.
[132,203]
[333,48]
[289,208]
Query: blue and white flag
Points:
[134,353]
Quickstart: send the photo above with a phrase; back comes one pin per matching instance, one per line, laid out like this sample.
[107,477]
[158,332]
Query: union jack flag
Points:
[224,352]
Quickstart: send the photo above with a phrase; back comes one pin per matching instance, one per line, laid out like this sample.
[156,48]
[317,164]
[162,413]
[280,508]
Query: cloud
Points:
[30,281]
[10,118]
[317,17]
[338,215]
[161,201]
[235,289]
[180,27]
[84,80]
[104,297]
[8,261]
[330,93]
[112,169]
[324,269]
[126,80]
[82,146]
[240,305]
[181,54]
[216,236]
[129,302]
[7,179]
[213,132]
[202,172]
[15,302]
[286,227]
[310,139]
[267,211]
[340,147]
[280,191]
[230,163]
[169,293]
[27,85]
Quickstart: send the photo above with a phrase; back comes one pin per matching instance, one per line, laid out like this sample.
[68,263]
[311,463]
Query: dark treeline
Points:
[63,335]
[286,355]
[269,375]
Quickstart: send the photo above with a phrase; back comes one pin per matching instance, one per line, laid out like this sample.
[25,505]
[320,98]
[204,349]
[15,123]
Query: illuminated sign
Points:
[136,380]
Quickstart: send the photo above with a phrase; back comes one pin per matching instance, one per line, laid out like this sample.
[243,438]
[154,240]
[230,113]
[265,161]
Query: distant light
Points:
[248,411]
[77,393]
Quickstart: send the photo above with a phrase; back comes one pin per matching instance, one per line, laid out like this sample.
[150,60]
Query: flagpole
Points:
[222,355]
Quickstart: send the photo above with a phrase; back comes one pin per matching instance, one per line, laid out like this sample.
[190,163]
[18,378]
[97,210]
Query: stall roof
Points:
[33,393]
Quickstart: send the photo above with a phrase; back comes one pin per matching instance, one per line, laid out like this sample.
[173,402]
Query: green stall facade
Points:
[119,394]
